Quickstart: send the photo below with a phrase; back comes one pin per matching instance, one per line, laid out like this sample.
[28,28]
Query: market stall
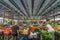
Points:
[29,19]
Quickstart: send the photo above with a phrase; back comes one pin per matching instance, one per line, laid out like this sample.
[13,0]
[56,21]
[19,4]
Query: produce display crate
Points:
[57,36]
[44,38]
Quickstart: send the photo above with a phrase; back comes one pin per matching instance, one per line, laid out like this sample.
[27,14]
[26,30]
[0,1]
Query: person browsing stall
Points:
[15,28]
[49,28]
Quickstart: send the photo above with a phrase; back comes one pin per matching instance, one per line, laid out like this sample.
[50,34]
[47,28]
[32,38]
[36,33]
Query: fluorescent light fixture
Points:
[1,18]
[56,19]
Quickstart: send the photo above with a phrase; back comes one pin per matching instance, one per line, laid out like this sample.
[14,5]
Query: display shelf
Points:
[57,36]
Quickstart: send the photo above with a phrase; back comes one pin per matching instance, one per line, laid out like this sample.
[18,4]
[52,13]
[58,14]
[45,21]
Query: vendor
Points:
[49,28]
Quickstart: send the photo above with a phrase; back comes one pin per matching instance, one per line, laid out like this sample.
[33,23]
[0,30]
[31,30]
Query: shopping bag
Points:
[23,38]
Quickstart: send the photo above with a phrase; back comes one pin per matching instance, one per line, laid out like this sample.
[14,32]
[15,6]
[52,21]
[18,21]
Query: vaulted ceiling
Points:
[34,8]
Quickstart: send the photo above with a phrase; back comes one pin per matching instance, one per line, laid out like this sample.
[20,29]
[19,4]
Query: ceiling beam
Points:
[32,6]
[8,6]
[27,7]
[52,7]
[5,9]
[39,6]
[36,6]
[46,5]
[17,6]
[57,9]
[24,7]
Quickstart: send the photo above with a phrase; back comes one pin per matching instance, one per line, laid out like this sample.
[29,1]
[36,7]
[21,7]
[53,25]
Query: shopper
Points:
[6,31]
[49,28]
[14,31]
[1,33]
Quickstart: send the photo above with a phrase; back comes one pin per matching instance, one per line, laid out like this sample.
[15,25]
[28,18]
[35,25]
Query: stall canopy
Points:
[30,8]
